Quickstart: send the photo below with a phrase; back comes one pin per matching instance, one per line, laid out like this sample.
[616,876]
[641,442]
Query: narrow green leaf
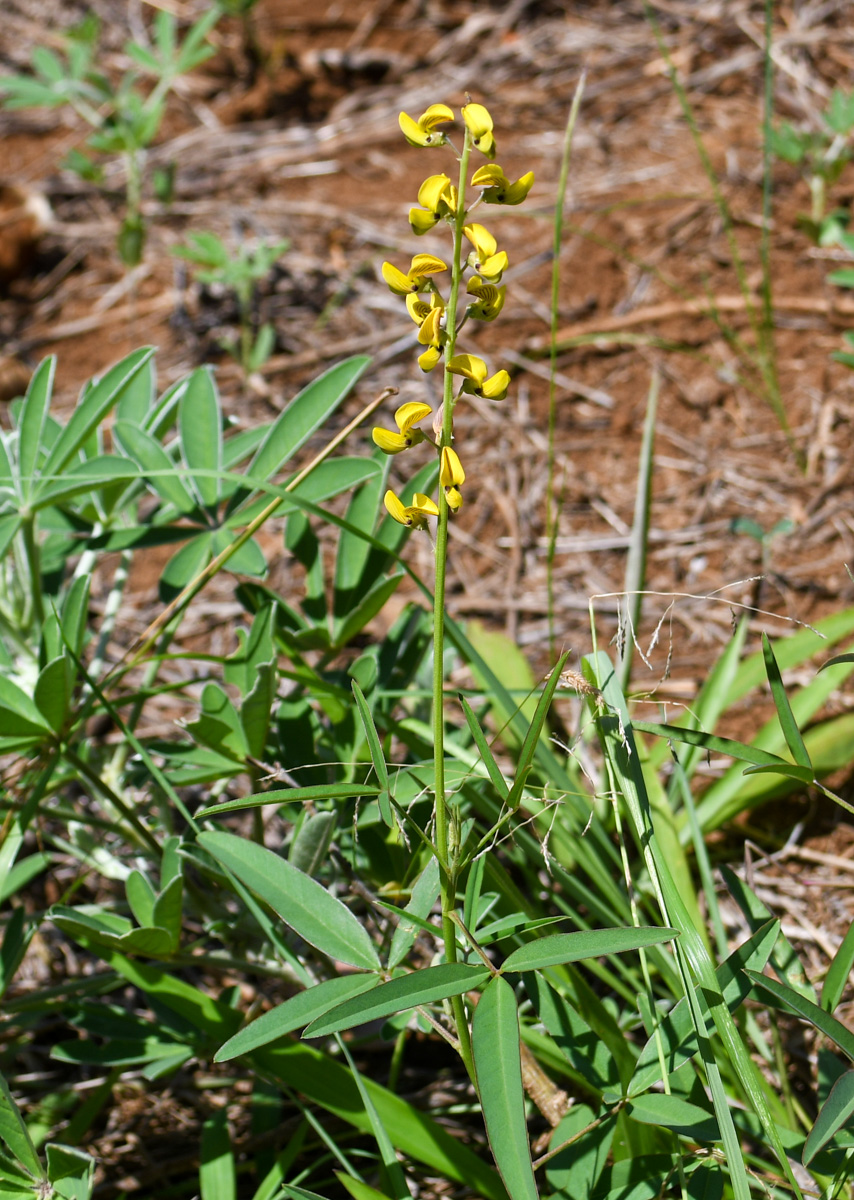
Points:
[200,425]
[90,475]
[391,1167]
[320,791]
[312,841]
[639,540]
[498,1065]
[424,895]
[345,629]
[836,1111]
[184,566]
[372,737]
[301,902]
[676,1114]
[838,972]
[75,613]
[161,474]
[784,710]
[18,713]
[532,737]
[217,1171]
[823,1021]
[140,896]
[360,1190]
[492,768]
[419,987]
[14,1133]
[560,948]
[299,1010]
[34,413]
[52,692]
[167,909]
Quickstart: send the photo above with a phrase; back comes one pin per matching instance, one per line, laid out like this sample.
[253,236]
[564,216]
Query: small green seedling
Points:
[241,270]
[822,155]
[125,115]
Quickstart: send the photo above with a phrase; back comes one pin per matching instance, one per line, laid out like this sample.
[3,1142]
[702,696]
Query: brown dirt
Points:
[296,135]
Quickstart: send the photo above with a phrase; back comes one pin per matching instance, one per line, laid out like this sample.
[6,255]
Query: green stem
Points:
[447,831]
[148,839]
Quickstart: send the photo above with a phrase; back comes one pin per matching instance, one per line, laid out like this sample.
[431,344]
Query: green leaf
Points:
[424,895]
[140,896]
[560,948]
[14,1133]
[532,737]
[248,559]
[312,841]
[346,628]
[53,692]
[75,613]
[299,1010]
[320,791]
[167,910]
[34,413]
[676,1114]
[575,1170]
[160,472]
[838,972]
[512,669]
[217,1172]
[823,1021]
[256,650]
[833,1114]
[485,750]
[184,566]
[301,902]
[784,711]
[92,409]
[498,1066]
[90,475]
[200,425]
[305,414]
[19,715]
[373,738]
[419,987]
[70,1171]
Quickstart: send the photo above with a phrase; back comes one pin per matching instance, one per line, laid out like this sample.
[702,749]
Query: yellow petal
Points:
[490,175]
[399,283]
[493,267]
[469,365]
[417,308]
[422,221]
[454,498]
[412,131]
[477,119]
[396,508]
[486,145]
[436,114]
[388,442]
[484,243]
[410,413]
[451,473]
[428,360]
[517,191]
[432,191]
[496,387]
[428,334]
[423,504]
[426,264]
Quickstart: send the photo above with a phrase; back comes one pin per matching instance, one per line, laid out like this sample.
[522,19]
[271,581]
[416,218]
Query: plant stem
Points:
[447,831]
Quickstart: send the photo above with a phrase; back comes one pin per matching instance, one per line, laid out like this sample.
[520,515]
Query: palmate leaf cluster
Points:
[282,834]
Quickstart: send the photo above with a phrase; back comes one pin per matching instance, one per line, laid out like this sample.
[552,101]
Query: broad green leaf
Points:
[600,1055]
[9,526]
[70,1171]
[23,872]
[33,417]
[217,1171]
[93,407]
[560,948]
[256,711]
[53,693]
[320,791]
[305,414]
[788,724]
[407,991]
[302,903]
[312,841]
[576,1170]
[116,1052]
[498,1066]
[838,972]
[676,1114]
[137,399]
[248,559]
[184,566]
[15,1135]
[140,896]
[167,909]
[299,1010]
[200,425]
[836,1111]
[161,474]
[18,713]
[256,650]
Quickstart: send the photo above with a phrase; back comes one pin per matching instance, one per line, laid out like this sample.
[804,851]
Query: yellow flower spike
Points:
[424,265]
[430,332]
[486,258]
[428,360]
[414,515]
[399,283]
[406,416]
[483,241]
[497,187]
[422,221]
[479,124]
[434,190]
[451,473]
[489,302]
[424,131]
[417,308]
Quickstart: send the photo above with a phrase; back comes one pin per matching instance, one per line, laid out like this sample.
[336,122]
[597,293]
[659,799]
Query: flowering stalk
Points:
[439,322]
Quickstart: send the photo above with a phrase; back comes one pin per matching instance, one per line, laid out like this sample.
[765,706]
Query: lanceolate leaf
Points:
[835,1030]
[498,1065]
[301,902]
[319,791]
[836,1111]
[784,710]
[407,991]
[838,972]
[589,943]
[200,422]
[15,1135]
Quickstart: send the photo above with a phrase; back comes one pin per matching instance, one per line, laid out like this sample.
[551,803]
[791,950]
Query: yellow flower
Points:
[451,475]
[489,302]
[474,370]
[428,360]
[415,514]
[485,258]
[418,277]
[405,418]
[438,198]
[497,187]
[479,124]
[423,132]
